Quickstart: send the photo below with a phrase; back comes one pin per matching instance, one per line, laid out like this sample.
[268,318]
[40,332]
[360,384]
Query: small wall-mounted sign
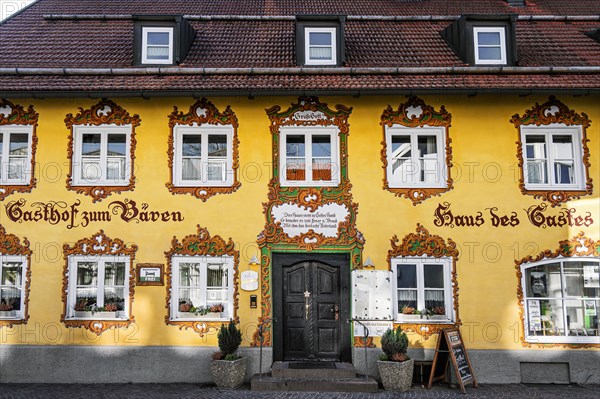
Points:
[249,280]
[150,274]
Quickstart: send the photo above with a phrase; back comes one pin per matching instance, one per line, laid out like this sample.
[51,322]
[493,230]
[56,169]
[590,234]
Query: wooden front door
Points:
[312,312]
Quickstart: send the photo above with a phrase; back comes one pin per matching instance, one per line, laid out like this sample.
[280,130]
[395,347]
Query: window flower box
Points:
[411,317]
[94,315]
[209,315]
[8,314]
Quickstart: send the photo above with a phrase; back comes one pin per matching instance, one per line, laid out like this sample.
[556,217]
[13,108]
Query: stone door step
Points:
[316,370]
[358,383]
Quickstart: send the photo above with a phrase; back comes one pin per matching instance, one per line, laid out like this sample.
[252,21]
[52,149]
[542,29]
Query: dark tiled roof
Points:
[32,41]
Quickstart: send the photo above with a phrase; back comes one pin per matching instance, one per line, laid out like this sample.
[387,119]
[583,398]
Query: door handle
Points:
[335,309]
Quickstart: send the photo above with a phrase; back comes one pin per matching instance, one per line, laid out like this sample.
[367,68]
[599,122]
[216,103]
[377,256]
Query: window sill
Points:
[9,315]
[561,339]
[424,320]
[100,184]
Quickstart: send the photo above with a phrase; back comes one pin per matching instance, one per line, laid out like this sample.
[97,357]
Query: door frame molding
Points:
[342,260]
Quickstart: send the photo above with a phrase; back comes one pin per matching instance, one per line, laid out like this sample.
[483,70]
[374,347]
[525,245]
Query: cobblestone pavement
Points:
[192,391]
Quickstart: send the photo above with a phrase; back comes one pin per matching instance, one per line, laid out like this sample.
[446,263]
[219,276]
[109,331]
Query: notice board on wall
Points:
[372,293]
[450,348]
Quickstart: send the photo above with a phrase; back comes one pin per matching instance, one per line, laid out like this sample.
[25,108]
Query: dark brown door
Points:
[311,311]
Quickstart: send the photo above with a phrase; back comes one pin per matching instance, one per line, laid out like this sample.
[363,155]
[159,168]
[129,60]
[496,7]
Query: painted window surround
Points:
[203,132]
[309,132]
[420,262]
[555,114]
[441,171]
[11,249]
[204,261]
[563,311]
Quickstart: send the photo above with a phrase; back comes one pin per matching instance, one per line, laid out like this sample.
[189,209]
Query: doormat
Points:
[312,365]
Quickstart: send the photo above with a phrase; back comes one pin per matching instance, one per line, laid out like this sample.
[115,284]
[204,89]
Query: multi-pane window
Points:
[422,288]
[157,45]
[202,286]
[309,156]
[489,45]
[416,157]
[101,155]
[13,270]
[552,157]
[98,287]
[320,46]
[15,154]
[562,300]
[203,156]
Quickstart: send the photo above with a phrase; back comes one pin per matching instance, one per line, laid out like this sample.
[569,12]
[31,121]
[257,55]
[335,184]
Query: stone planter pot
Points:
[396,376]
[411,317]
[5,314]
[228,374]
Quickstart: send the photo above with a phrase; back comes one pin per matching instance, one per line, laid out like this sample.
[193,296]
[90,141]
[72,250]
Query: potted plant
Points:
[108,311]
[395,367]
[6,310]
[410,313]
[227,368]
[187,310]
[437,313]
[83,309]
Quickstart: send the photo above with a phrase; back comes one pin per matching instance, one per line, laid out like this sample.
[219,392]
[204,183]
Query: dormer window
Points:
[320,46]
[320,40]
[484,40]
[161,39]
[157,45]
[490,45]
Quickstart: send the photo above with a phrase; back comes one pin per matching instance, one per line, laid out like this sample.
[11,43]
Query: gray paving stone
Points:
[197,391]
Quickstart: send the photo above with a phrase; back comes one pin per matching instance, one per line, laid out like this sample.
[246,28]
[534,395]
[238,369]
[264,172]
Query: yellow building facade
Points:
[482,215]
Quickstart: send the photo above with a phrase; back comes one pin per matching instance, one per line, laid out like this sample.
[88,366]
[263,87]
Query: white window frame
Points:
[307,46]
[19,314]
[6,131]
[496,29]
[420,261]
[441,179]
[204,131]
[104,131]
[204,261]
[549,131]
[101,260]
[308,133]
[575,339]
[145,32]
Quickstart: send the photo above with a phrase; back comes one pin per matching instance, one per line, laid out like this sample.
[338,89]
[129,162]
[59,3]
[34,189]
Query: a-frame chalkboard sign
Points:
[450,347]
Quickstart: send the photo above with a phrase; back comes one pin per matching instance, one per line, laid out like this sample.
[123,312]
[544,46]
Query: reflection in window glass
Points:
[562,298]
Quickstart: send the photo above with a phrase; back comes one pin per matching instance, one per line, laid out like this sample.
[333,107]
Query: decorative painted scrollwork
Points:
[423,243]
[359,342]
[203,112]
[15,114]
[10,244]
[579,245]
[415,113]
[201,244]
[425,329]
[307,112]
[550,112]
[97,245]
[106,112]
